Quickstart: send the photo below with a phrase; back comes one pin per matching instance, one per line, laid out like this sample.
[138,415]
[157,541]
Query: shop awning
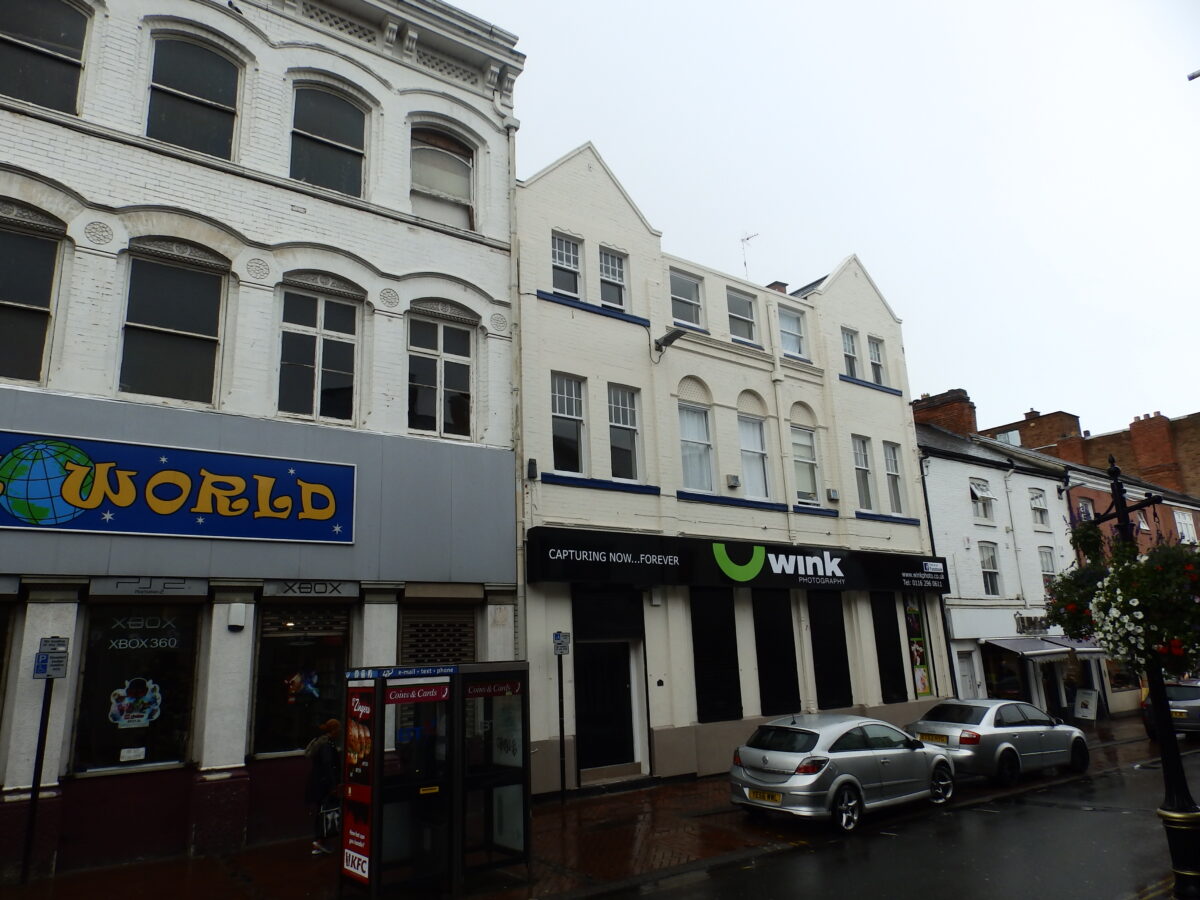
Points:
[1046,649]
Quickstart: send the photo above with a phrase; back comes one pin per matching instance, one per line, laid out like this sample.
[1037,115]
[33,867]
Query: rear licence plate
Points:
[765,796]
[1179,713]
[933,738]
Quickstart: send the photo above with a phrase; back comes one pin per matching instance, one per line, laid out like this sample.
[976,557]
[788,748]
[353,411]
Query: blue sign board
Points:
[109,487]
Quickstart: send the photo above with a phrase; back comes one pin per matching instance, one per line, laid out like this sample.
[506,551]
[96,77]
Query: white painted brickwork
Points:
[99,167]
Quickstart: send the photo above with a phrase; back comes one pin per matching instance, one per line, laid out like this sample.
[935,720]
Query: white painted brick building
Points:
[257,256]
[671,414]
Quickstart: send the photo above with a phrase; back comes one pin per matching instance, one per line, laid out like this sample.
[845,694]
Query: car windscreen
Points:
[1183,691]
[955,714]
[789,740]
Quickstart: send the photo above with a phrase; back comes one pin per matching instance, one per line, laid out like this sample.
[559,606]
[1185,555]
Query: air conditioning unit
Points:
[733,481]
[832,495]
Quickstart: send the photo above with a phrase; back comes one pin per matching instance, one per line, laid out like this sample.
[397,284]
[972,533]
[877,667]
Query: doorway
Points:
[603,704]
[968,682]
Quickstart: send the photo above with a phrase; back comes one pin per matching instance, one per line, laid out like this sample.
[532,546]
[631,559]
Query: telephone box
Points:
[436,774]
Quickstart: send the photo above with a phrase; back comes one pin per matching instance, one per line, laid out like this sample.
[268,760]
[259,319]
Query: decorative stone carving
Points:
[499,323]
[410,41]
[98,233]
[325,284]
[258,269]
[389,298]
[446,309]
[391,29]
[181,251]
[29,218]
[493,76]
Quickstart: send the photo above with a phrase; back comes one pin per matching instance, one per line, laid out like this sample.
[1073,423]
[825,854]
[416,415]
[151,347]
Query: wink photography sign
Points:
[110,487]
[564,554]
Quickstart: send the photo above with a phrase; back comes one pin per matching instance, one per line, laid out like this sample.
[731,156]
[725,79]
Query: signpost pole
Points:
[562,737]
[35,791]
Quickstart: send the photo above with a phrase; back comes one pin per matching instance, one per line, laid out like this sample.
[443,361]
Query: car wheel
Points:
[941,785]
[1008,769]
[1079,757]
[847,809]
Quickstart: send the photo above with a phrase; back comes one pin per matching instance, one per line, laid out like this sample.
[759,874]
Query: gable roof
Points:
[589,149]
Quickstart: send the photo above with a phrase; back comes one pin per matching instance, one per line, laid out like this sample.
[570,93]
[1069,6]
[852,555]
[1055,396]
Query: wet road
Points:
[1093,837]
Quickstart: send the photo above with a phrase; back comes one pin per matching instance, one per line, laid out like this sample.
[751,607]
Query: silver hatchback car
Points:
[1001,738]
[826,766]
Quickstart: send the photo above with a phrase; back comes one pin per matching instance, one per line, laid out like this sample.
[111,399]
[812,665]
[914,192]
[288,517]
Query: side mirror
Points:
[1056,720]
[915,744]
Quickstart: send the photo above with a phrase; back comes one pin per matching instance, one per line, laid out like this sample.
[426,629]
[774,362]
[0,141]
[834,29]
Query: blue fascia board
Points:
[592,308]
[689,497]
[600,484]
[814,510]
[879,517]
[870,384]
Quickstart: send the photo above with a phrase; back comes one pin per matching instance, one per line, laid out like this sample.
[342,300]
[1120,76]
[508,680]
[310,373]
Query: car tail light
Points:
[968,737]
[737,757]
[811,765]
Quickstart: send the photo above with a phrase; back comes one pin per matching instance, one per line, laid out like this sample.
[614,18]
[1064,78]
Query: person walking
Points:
[324,776]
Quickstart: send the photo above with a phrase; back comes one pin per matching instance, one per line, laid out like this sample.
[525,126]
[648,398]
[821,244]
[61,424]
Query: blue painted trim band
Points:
[598,310]
[895,520]
[730,501]
[814,510]
[690,327]
[600,484]
[803,359]
[746,343]
[878,387]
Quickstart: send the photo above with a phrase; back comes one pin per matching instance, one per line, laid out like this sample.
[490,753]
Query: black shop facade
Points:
[678,642]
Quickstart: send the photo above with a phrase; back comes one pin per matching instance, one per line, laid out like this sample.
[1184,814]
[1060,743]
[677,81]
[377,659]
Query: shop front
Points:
[212,599]
[679,644]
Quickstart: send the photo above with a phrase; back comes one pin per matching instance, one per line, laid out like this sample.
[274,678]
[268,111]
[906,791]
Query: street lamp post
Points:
[1179,813]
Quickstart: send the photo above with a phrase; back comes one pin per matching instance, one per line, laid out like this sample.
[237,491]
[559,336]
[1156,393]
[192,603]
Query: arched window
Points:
[319,347]
[440,377]
[173,320]
[41,51]
[695,436]
[193,97]
[442,178]
[29,251]
[328,141]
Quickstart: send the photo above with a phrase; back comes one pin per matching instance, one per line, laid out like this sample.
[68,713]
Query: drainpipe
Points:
[776,387]
[1012,530]
[952,663]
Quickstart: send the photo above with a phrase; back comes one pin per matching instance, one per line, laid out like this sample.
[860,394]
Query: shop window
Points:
[318,349]
[714,648]
[41,51]
[442,176]
[439,378]
[1120,677]
[916,629]
[831,662]
[893,682]
[302,659]
[172,329]
[28,268]
[775,648]
[136,690]
[328,141]
[193,98]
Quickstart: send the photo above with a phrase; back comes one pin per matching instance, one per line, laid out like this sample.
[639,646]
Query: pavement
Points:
[609,839]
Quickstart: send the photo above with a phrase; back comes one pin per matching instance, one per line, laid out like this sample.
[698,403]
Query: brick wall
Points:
[952,410]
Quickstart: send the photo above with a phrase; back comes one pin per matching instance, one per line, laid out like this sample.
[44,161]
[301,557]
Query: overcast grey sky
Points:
[1021,178]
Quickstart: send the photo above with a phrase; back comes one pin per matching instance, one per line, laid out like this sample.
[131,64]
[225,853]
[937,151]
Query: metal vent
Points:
[437,634]
[311,621]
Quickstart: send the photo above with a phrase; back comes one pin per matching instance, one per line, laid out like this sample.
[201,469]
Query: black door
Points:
[603,705]
[831,664]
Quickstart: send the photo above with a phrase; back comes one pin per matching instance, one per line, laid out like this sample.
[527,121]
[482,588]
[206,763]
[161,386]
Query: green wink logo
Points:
[740,572]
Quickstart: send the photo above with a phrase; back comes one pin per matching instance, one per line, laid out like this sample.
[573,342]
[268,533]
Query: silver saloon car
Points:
[1001,738]
[826,766]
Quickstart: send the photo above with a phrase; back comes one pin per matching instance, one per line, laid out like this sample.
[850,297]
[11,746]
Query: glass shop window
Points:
[301,670]
[136,691]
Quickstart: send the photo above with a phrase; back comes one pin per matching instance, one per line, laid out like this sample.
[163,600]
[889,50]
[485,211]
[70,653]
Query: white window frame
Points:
[891,464]
[20,307]
[741,320]
[982,500]
[805,468]
[1185,525]
[623,418]
[566,256]
[612,274]
[442,358]
[428,142]
[877,359]
[989,553]
[1087,509]
[1038,508]
[752,441]
[1012,437]
[1143,523]
[1046,561]
[861,447]
[794,334]
[850,352]
[695,305]
[567,393]
[320,334]
[702,446]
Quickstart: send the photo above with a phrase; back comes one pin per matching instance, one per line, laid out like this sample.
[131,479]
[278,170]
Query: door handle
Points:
[885,762]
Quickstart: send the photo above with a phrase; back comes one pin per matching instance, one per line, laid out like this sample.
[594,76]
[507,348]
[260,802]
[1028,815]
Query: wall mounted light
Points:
[662,343]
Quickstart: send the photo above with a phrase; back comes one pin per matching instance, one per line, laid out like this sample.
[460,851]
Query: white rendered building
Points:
[722,501]
[255,394]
